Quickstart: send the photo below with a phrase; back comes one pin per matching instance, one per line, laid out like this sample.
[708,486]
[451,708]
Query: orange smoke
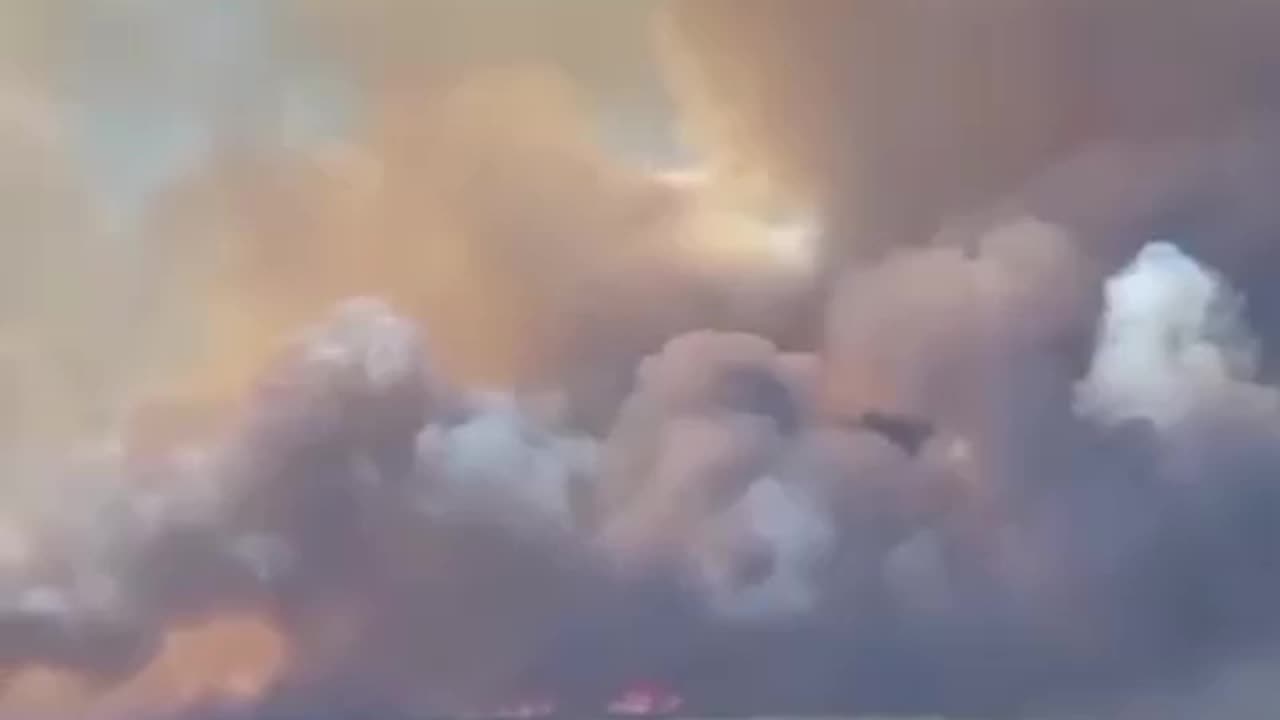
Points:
[222,658]
[433,207]
[487,211]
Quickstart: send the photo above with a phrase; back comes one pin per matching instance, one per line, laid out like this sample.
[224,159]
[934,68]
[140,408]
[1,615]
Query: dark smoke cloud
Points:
[1110,537]
[360,489]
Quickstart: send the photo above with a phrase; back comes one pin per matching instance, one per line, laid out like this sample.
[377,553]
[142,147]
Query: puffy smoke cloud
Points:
[431,546]
[1171,340]
[358,488]
[941,327]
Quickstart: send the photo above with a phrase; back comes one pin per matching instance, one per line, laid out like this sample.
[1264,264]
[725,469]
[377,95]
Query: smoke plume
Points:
[381,359]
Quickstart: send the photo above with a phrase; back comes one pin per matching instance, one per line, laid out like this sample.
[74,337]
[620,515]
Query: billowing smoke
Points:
[945,386]
[436,548]
[1171,340]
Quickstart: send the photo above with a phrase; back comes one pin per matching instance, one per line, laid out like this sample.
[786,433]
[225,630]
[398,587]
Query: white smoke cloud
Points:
[791,536]
[501,457]
[1171,341]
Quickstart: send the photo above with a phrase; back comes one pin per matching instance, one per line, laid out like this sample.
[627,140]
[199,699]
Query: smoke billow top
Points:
[380,359]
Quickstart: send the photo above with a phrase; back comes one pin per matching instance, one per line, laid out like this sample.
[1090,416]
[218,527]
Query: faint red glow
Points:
[645,699]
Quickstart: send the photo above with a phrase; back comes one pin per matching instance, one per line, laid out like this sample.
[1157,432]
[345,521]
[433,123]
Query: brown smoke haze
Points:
[394,359]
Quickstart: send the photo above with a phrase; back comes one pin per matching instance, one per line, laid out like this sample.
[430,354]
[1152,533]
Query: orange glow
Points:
[439,205]
[227,657]
[645,700]
[847,390]
[495,236]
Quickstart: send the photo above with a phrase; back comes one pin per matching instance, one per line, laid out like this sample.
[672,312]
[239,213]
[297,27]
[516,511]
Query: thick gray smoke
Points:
[1047,552]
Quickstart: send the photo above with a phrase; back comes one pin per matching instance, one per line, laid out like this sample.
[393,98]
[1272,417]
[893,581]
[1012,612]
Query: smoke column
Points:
[422,371]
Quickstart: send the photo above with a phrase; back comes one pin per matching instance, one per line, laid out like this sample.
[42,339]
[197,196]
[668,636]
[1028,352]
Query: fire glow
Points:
[219,661]
[639,699]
